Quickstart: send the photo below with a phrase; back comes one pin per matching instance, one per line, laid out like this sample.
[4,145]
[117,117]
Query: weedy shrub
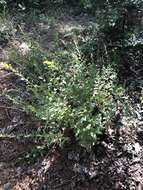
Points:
[7,28]
[68,95]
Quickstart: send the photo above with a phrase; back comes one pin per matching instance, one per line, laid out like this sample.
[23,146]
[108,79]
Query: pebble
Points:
[2,165]
[7,186]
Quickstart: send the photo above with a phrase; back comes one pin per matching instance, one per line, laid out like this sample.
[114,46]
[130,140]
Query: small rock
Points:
[73,156]
[136,160]
[80,169]
[7,186]
[24,48]
[2,165]
[92,174]
[19,171]
[110,131]
[137,147]
[128,148]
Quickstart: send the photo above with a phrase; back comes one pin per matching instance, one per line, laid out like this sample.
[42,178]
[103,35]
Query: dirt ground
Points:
[115,163]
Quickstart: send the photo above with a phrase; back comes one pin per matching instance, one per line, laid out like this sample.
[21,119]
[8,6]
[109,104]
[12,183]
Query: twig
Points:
[8,107]
[66,182]
[20,136]
[6,75]
[8,115]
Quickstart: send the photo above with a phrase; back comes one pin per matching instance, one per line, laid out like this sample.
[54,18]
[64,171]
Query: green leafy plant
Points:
[68,95]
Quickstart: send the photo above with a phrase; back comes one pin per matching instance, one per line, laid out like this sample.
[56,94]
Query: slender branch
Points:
[8,107]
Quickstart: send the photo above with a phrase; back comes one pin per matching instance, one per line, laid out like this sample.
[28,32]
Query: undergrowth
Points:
[77,93]
[73,98]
